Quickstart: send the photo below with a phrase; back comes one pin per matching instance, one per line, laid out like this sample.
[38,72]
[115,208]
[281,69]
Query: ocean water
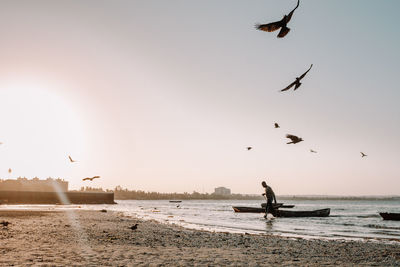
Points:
[347,220]
[350,220]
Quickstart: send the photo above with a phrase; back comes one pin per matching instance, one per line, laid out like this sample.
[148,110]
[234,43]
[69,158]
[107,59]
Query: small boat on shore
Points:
[390,216]
[299,213]
[259,210]
[248,209]
[175,201]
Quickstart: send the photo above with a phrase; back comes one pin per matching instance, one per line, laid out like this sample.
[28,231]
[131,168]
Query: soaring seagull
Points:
[70,159]
[294,139]
[273,26]
[363,155]
[277,125]
[90,178]
[297,82]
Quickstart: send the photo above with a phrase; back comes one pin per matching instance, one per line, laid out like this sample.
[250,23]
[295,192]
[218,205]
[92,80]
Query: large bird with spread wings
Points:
[90,178]
[297,82]
[281,24]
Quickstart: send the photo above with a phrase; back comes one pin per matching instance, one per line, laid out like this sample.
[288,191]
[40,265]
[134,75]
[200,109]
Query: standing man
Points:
[269,193]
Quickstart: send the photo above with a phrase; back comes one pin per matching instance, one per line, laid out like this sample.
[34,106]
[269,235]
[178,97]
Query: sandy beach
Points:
[95,238]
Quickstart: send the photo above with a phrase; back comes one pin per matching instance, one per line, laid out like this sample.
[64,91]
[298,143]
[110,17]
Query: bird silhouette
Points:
[273,26]
[134,227]
[90,178]
[249,148]
[363,155]
[294,139]
[313,151]
[297,82]
[5,223]
[70,159]
[277,125]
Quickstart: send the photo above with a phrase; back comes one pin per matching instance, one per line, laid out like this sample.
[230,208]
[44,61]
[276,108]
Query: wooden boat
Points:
[249,209]
[259,210]
[277,205]
[175,201]
[298,213]
[390,216]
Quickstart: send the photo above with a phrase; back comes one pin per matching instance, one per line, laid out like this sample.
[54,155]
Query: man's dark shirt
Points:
[270,194]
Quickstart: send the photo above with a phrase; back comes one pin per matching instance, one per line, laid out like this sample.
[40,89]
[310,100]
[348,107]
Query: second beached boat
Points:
[390,216]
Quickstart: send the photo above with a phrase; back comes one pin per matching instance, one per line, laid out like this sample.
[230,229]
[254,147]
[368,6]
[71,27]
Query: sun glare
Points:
[40,128]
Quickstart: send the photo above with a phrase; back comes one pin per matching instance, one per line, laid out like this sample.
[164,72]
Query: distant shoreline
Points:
[107,197]
[245,197]
[375,198]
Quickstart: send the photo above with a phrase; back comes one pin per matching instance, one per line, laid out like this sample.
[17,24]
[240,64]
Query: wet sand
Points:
[94,238]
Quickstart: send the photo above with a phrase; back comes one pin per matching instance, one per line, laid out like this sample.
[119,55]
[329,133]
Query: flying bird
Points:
[297,82]
[134,227]
[313,151]
[273,26]
[363,155]
[90,178]
[277,125]
[249,148]
[70,159]
[294,139]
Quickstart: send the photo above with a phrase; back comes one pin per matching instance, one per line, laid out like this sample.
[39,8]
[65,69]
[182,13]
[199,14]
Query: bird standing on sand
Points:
[277,125]
[249,148]
[363,155]
[70,159]
[90,178]
[273,26]
[294,139]
[134,227]
[4,223]
[297,82]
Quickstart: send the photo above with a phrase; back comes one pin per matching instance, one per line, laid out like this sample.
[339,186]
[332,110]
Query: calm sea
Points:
[348,219]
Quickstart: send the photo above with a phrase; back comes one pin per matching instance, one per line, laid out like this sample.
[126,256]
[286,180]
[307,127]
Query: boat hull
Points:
[259,210]
[390,216]
[295,213]
[249,209]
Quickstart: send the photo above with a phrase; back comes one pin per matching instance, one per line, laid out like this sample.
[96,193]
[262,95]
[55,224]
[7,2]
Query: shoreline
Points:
[214,228]
[93,238]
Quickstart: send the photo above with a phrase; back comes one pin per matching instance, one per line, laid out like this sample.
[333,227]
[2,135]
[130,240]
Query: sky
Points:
[165,96]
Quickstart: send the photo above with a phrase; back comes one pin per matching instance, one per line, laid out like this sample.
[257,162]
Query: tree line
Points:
[124,194]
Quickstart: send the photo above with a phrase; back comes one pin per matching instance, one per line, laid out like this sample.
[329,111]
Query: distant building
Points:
[23,184]
[223,191]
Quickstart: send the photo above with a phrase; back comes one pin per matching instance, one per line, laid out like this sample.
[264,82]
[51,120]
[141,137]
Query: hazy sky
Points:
[166,95]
